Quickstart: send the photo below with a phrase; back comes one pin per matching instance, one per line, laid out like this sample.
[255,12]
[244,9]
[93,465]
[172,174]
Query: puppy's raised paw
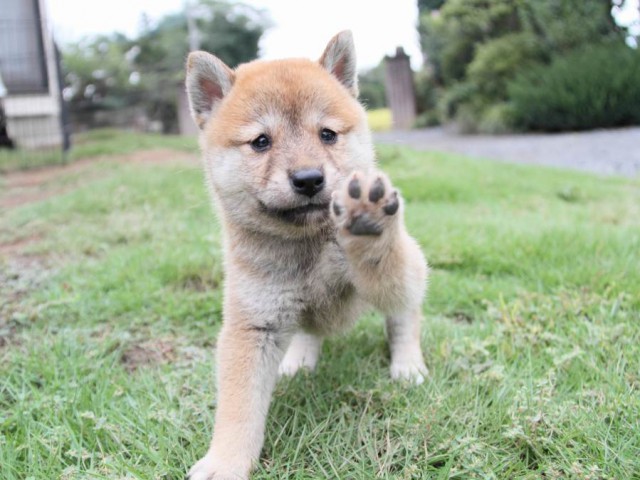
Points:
[366,205]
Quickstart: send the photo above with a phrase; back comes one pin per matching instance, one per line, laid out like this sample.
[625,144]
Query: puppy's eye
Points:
[262,143]
[328,137]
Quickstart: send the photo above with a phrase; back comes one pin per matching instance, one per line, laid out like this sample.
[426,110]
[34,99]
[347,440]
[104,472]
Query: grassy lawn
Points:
[110,304]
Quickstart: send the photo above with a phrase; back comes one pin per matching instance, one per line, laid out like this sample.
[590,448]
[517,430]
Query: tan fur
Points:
[290,283]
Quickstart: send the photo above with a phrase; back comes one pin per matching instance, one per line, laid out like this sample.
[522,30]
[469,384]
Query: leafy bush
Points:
[498,60]
[497,119]
[427,97]
[430,118]
[563,25]
[449,38]
[463,104]
[467,118]
[595,87]
[426,91]
[456,95]
[475,48]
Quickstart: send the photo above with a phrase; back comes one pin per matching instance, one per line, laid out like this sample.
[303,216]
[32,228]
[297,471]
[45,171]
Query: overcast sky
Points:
[300,28]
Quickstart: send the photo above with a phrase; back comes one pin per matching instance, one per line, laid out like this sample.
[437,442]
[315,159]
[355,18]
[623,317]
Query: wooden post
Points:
[401,96]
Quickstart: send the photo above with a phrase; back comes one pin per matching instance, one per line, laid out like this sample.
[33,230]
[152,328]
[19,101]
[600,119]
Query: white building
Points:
[29,70]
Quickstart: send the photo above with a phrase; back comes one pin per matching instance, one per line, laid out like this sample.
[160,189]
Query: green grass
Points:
[20,159]
[532,334]
[90,144]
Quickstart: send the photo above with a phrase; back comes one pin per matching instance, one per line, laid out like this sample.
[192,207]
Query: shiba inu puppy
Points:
[313,233]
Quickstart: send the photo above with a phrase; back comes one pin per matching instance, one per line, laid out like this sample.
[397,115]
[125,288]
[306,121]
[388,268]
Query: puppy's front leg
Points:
[386,264]
[247,364]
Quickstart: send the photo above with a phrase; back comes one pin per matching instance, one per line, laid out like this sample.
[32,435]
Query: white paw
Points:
[303,352]
[291,364]
[208,468]
[412,370]
[287,369]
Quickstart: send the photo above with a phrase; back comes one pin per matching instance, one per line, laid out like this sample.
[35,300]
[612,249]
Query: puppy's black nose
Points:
[307,182]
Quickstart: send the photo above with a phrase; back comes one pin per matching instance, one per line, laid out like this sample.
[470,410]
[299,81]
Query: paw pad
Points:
[354,189]
[364,225]
[377,190]
[367,205]
[392,205]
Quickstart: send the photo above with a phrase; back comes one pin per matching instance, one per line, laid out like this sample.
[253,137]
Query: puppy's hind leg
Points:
[303,352]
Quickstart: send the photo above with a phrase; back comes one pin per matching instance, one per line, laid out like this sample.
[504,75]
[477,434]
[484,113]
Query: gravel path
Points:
[606,152]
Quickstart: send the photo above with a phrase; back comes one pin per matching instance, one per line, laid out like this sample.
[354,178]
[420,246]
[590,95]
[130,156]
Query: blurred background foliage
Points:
[371,85]
[113,73]
[494,66]
[490,66]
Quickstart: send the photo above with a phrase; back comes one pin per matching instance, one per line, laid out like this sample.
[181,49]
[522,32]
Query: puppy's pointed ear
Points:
[208,81]
[340,59]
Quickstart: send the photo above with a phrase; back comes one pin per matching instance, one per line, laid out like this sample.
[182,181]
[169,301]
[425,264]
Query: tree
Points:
[114,71]
[98,75]
[475,47]
[371,86]
[231,31]
[429,5]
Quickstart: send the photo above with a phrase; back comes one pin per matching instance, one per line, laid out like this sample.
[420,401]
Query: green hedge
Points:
[497,61]
[595,87]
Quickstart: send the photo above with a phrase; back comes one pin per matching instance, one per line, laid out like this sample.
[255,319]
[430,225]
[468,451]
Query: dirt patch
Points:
[148,353]
[161,156]
[16,247]
[21,188]
[18,277]
[40,176]
[155,352]
[23,198]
